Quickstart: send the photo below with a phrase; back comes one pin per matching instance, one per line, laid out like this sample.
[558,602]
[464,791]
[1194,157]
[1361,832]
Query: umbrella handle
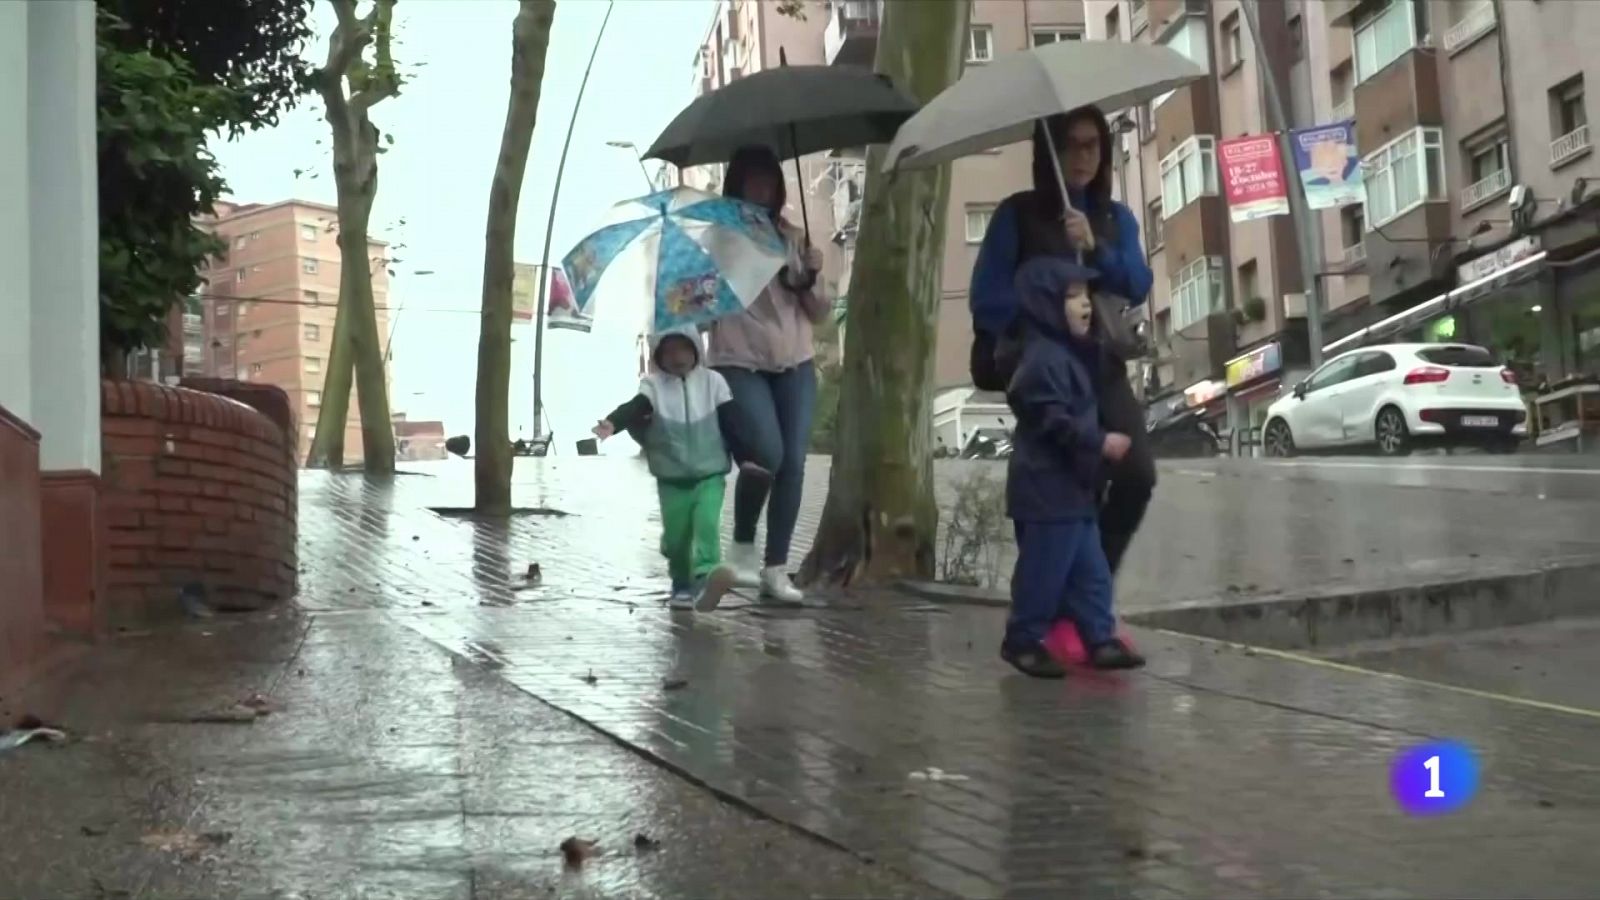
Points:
[799,177]
[1061,179]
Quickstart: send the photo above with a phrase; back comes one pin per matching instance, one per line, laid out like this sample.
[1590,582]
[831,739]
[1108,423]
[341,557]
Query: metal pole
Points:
[1308,224]
[549,233]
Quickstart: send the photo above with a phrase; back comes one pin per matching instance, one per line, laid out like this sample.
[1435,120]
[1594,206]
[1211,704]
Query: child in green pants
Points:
[685,418]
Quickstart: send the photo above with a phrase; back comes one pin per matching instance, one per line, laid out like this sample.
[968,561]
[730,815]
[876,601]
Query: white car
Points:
[1399,396]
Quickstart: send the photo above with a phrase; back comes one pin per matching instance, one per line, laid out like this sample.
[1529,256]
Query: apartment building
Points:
[268,306]
[1472,126]
[746,36]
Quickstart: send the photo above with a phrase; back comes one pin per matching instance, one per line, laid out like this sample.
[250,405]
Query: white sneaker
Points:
[681,600]
[775,585]
[746,565]
[716,584]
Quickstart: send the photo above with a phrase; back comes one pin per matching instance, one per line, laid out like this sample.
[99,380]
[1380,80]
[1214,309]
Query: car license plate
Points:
[1480,422]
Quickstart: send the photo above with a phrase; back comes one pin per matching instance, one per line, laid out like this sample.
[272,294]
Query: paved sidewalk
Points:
[391,769]
[1213,773]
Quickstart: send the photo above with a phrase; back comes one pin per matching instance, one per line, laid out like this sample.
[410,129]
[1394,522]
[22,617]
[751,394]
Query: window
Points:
[1113,25]
[313,364]
[1055,35]
[1297,39]
[1352,225]
[1568,114]
[1337,372]
[1569,122]
[1385,35]
[1374,363]
[308,232]
[1488,170]
[1197,292]
[313,298]
[308,266]
[1152,225]
[313,398]
[978,217]
[1191,40]
[1232,43]
[1147,122]
[240,241]
[980,43]
[1249,282]
[255,368]
[222,309]
[1459,355]
[313,333]
[238,277]
[1188,173]
[1403,174]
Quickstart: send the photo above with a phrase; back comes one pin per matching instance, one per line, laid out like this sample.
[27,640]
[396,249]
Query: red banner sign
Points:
[1252,177]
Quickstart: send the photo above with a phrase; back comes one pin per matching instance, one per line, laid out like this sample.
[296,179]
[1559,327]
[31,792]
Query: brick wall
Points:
[196,488]
[22,620]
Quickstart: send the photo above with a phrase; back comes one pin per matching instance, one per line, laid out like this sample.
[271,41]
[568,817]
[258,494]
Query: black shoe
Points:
[1114,654]
[1034,661]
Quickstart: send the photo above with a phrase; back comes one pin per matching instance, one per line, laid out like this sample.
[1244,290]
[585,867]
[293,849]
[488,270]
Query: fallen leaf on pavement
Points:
[590,678]
[187,844]
[644,842]
[262,704]
[576,849]
[93,830]
[674,684]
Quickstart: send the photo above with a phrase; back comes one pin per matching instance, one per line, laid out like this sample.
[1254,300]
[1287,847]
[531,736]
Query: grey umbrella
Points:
[997,103]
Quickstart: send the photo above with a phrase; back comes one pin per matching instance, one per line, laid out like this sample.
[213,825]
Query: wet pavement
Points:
[387,768]
[446,725]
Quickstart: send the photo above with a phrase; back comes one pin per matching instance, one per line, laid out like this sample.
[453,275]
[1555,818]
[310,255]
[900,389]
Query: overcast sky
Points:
[446,125]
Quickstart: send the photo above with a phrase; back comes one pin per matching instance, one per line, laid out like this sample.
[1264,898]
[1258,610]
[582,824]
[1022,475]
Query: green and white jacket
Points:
[687,425]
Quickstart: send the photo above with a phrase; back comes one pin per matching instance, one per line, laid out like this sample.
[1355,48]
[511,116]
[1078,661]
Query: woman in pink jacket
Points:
[765,354]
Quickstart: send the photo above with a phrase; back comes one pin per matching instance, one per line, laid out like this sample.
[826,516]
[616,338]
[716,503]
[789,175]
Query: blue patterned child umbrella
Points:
[698,256]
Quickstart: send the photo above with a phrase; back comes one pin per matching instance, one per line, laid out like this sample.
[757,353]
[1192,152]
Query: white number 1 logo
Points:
[1432,765]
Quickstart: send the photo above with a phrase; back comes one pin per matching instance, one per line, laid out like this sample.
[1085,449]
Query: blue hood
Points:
[1041,287]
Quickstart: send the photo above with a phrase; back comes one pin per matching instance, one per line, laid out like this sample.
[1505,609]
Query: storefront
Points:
[1253,381]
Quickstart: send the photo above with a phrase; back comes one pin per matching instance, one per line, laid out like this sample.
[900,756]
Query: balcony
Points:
[1401,96]
[1344,111]
[851,38]
[849,181]
[1569,146]
[1478,22]
[1485,189]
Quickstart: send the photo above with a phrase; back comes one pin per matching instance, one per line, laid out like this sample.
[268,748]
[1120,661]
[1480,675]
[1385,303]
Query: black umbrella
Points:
[795,110]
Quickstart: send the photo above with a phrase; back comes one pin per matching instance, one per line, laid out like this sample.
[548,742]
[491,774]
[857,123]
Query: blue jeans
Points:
[777,406]
[1061,573]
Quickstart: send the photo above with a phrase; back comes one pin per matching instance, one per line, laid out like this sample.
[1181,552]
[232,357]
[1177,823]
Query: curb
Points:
[954,594]
[1333,620]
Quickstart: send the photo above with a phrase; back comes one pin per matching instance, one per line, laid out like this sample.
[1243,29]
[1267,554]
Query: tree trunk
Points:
[356,348]
[880,519]
[530,38]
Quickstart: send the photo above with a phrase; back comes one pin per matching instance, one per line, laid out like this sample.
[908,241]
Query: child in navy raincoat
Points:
[1054,479]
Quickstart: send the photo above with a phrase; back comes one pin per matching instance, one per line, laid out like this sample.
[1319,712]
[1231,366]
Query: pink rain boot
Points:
[1065,645]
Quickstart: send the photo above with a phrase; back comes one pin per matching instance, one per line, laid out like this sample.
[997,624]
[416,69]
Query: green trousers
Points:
[691,528]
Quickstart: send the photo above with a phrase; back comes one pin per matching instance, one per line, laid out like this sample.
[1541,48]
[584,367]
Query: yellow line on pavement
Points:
[1291,656]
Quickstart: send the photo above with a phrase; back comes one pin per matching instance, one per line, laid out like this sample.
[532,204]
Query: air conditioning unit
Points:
[1294,306]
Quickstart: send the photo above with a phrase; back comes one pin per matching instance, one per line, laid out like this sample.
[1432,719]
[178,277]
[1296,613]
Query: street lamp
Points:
[394,323]
[633,148]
